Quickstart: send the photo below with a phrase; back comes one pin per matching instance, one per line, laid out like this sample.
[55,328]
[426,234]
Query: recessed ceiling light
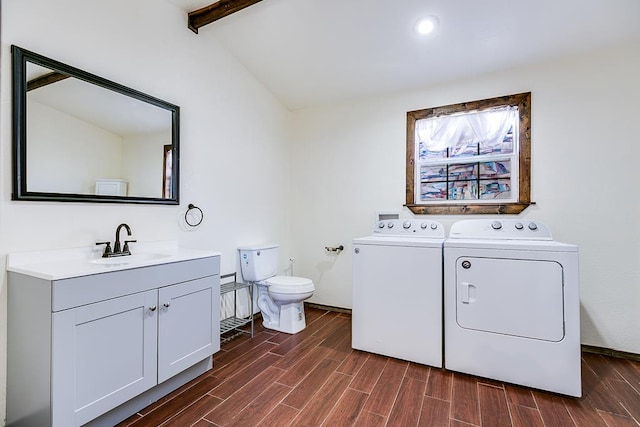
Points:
[427,25]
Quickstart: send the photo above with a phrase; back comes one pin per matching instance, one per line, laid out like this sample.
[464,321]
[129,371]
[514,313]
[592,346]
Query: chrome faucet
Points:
[116,245]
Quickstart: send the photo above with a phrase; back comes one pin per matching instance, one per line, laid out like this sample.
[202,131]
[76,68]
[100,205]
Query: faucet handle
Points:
[125,249]
[107,249]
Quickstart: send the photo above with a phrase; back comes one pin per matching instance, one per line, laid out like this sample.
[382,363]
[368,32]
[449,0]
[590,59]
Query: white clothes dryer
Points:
[512,309]
[397,291]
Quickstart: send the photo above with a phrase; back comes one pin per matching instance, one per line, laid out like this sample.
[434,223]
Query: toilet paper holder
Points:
[336,249]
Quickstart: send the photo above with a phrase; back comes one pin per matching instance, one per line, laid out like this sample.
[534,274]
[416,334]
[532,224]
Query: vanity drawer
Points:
[78,291]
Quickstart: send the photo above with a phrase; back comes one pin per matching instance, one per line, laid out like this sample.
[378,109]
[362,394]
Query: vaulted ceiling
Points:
[310,52]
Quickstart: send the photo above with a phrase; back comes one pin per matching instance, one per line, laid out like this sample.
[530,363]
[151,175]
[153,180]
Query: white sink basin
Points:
[130,259]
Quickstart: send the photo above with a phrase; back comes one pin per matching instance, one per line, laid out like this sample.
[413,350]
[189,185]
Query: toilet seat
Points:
[289,284]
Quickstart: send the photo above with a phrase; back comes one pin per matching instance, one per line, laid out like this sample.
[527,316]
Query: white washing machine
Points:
[512,309]
[397,291]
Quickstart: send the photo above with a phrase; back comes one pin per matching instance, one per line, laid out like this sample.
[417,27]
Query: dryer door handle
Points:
[465,292]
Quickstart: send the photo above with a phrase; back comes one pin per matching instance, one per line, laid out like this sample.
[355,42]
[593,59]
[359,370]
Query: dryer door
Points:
[511,297]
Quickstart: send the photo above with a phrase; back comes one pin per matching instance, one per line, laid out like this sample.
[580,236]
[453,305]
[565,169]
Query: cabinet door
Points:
[103,355]
[188,325]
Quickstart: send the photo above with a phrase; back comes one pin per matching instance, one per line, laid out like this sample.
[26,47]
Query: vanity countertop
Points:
[75,262]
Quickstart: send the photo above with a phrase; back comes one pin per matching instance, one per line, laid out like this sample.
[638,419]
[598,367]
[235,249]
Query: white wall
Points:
[66,154]
[234,157]
[348,161]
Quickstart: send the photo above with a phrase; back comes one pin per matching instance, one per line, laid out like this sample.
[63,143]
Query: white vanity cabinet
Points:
[98,348]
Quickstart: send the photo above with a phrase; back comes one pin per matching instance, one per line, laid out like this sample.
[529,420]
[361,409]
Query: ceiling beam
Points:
[213,12]
[46,79]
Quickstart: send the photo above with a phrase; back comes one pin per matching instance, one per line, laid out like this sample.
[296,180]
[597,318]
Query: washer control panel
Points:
[409,227]
[508,229]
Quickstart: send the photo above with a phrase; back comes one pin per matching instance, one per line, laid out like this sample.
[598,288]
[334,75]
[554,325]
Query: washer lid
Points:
[422,242]
[290,284]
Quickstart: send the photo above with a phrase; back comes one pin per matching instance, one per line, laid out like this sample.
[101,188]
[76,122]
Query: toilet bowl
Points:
[280,298]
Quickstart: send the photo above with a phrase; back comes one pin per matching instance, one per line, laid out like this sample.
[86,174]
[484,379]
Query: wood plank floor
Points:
[314,378]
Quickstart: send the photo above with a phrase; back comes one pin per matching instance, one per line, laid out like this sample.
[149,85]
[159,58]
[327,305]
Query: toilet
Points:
[280,298]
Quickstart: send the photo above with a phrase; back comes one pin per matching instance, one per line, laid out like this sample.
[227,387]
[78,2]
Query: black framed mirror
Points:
[78,137]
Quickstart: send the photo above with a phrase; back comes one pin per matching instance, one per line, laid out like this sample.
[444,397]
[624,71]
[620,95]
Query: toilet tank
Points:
[259,262]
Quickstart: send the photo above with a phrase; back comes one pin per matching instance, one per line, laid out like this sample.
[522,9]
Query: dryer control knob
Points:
[496,225]
[406,225]
[381,224]
[533,226]
[423,225]
[434,225]
[390,224]
[519,226]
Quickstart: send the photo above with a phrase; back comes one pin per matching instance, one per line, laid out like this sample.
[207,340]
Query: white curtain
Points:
[243,307]
[487,128]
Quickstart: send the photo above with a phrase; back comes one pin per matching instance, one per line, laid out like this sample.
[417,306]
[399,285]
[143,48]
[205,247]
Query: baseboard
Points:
[585,348]
[327,307]
[609,352]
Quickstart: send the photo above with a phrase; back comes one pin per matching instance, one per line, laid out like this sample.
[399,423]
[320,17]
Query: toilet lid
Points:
[290,284]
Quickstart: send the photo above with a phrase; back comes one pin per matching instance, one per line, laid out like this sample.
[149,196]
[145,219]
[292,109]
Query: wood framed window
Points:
[470,158]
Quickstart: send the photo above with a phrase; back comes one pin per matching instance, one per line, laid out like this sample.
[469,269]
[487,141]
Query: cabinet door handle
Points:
[152,308]
[166,304]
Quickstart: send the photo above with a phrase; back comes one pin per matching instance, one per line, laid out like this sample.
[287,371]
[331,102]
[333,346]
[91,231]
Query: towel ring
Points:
[186,215]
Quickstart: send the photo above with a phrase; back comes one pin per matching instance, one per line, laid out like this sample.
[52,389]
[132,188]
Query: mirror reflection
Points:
[83,138]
